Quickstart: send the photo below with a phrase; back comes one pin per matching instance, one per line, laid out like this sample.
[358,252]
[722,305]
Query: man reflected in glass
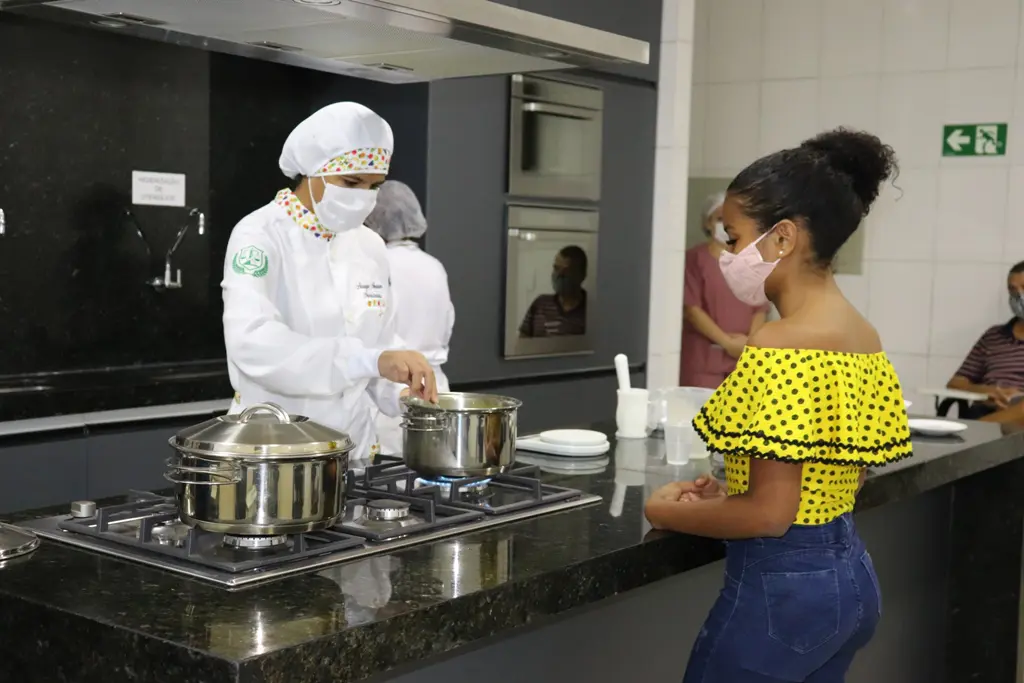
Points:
[564,312]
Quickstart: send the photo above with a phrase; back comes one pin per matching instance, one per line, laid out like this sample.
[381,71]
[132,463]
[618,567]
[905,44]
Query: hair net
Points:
[713,202]
[340,139]
[397,215]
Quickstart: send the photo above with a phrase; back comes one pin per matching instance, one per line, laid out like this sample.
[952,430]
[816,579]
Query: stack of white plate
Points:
[579,443]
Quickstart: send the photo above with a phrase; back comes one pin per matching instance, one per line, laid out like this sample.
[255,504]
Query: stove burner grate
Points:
[144,525]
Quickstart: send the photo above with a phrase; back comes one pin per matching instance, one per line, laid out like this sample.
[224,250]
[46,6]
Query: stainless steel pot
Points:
[464,435]
[262,472]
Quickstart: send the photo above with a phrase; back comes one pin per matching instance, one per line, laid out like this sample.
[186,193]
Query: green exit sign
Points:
[974,140]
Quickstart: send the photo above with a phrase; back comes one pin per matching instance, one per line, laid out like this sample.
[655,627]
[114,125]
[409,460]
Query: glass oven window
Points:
[550,281]
[552,289]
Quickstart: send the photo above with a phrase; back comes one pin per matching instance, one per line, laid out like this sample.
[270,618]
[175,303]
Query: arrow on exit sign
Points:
[974,140]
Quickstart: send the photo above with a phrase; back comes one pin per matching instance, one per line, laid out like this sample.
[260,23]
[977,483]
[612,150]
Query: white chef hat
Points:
[341,139]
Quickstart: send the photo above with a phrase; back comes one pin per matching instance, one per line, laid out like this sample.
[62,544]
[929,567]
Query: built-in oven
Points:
[554,139]
[551,272]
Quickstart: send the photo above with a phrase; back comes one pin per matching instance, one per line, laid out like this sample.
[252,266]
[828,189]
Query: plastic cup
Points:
[679,438]
[631,414]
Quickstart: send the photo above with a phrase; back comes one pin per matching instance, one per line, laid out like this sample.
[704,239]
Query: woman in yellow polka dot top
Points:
[812,404]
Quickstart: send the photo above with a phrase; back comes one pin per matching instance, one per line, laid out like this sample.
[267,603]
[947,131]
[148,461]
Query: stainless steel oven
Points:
[550,279]
[554,139]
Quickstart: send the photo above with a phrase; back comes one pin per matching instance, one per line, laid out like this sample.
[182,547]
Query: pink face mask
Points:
[746,272]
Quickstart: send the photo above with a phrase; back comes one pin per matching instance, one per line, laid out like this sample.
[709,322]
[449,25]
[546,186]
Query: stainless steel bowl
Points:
[260,473]
[465,435]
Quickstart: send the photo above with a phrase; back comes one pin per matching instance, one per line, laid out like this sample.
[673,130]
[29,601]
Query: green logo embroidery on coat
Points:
[250,261]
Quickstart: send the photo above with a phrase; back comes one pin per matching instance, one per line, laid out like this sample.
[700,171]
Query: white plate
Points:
[943,392]
[558,465]
[535,445]
[935,427]
[573,437]
[907,404]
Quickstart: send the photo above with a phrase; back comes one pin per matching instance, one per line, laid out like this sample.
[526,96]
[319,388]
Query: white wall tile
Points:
[972,215]
[1015,135]
[792,39]
[979,95]
[701,40]
[663,371]
[671,184]
[916,35]
[901,225]
[674,92]
[850,101]
[942,368]
[698,128]
[789,113]
[963,305]
[677,20]
[911,114]
[1013,233]
[735,41]
[666,307]
[983,33]
[913,373]
[851,37]
[732,127]
[899,304]
[855,289]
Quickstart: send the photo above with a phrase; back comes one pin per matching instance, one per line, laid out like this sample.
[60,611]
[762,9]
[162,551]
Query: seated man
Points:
[995,366]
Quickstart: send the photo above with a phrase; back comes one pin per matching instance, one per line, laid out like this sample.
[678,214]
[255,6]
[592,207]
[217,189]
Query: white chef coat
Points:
[305,321]
[424,319]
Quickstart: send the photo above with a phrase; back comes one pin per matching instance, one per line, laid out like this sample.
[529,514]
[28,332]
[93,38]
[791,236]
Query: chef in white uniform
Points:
[424,315]
[309,321]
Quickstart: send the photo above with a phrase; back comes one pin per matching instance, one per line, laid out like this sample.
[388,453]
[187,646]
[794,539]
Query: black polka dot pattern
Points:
[833,413]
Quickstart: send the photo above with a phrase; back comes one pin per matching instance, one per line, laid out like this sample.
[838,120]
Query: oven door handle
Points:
[557,110]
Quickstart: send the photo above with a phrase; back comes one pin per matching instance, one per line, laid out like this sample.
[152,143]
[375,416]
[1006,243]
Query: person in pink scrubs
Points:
[715,323]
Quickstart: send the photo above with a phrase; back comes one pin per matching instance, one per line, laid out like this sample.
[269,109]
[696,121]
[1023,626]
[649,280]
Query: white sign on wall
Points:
[158,189]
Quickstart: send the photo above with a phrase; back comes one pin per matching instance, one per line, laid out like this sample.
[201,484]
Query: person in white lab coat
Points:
[424,315]
[308,317]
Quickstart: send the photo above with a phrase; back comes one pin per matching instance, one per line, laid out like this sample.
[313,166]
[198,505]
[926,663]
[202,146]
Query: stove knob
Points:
[83,509]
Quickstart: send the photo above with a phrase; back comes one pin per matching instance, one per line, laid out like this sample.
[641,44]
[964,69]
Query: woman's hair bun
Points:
[858,155]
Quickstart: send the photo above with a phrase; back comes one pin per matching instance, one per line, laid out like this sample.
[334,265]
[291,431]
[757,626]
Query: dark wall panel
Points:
[466,210]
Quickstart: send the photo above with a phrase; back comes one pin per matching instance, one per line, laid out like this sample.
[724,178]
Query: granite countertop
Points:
[70,615]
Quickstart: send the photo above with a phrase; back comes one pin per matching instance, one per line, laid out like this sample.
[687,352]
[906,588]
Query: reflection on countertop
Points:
[352,621]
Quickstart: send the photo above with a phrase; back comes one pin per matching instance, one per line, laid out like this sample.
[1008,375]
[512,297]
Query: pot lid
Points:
[263,430]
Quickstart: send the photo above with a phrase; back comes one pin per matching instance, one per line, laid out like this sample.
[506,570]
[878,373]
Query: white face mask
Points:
[719,233]
[343,208]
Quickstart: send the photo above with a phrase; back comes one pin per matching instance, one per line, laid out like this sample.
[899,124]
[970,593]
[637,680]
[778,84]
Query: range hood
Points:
[397,41]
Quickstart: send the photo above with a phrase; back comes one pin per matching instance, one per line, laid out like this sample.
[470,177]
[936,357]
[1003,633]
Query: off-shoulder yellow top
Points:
[832,412]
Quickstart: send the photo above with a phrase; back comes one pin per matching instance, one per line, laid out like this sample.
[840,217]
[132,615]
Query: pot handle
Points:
[276,410]
[216,476]
[411,427]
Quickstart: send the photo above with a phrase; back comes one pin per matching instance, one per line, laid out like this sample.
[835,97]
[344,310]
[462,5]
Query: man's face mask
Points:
[1017,304]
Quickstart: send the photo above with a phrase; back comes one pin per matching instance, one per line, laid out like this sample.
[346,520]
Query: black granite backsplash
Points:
[80,109]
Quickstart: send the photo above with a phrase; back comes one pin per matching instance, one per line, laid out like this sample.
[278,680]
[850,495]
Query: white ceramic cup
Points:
[679,439]
[631,414]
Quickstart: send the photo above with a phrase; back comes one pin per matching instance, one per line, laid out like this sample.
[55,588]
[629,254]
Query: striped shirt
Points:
[547,318]
[997,359]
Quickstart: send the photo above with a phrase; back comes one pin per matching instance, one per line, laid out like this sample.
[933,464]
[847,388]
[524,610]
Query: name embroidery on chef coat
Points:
[373,294]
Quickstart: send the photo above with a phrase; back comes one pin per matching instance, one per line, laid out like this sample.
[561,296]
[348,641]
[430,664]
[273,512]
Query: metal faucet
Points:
[3,223]
[167,282]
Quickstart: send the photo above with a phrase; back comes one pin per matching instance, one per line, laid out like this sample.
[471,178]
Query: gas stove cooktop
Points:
[387,507]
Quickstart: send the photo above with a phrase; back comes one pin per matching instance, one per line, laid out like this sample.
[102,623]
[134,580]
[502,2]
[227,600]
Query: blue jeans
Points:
[795,608]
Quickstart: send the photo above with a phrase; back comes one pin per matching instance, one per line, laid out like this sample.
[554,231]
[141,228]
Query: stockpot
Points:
[463,435]
[262,472]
